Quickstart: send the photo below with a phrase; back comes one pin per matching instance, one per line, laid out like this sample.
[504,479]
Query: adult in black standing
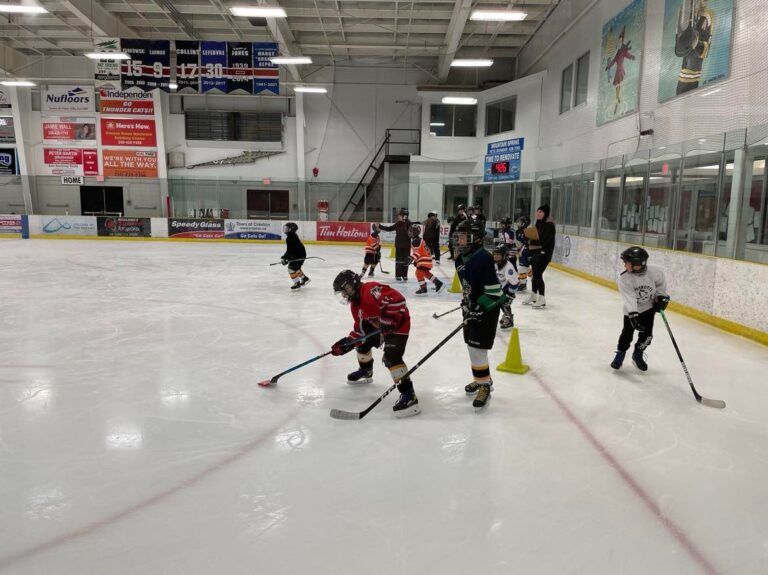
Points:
[402,244]
[541,250]
[480,216]
[432,235]
[461,215]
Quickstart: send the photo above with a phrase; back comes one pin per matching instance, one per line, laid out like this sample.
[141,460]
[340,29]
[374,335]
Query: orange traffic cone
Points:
[514,360]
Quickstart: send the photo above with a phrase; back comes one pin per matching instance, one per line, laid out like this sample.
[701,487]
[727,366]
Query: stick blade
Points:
[341,414]
[716,403]
[268,382]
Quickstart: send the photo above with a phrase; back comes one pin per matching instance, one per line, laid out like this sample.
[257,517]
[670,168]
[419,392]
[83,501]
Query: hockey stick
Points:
[436,315]
[341,414]
[717,403]
[382,268]
[299,260]
[268,382]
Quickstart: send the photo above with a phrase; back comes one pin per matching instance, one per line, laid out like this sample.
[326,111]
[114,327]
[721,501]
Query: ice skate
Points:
[422,290]
[407,405]
[482,398]
[438,285]
[361,375]
[304,281]
[473,386]
[531,298]
[540,303]
[507,322]
[639,360]
[296,286]
[618,360]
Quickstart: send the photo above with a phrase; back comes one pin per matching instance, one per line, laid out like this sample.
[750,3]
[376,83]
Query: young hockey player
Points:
[507,237]
[372,251]
[421,258]
[643,289]
[480,305]
[507,275]
[523,255]
[294,256]
[377,306]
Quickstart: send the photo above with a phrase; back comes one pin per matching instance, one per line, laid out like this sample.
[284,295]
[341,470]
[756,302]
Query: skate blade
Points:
[360,381]
[481,408]
[638,367]
[420,294]
[408,412]
[440,289]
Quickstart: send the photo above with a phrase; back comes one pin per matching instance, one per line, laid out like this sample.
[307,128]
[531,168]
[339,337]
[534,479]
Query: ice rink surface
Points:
[134,439]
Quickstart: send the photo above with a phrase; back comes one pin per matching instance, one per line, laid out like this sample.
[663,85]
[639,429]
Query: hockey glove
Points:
[344,345]
[509,291]
[661,303]
[284,261]
[471,311]
[634,319]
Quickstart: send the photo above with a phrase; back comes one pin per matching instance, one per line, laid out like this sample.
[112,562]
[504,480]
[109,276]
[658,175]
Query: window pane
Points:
[492,116]
[635,177]
[566,89]
[464,120]
[440,119]
[500,202]
[585,199]
[523,193]
[582,79]
[697,210]
[609,214]
[508,108]
[662,183]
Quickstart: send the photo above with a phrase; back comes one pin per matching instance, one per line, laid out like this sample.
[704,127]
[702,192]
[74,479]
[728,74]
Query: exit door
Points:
[101,200]
[267,204]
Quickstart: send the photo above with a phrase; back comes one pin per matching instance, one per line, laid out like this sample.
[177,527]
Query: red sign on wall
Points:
[126,102]
[128,132]
[71,161]
[129,163]
[69,130]
[343,231]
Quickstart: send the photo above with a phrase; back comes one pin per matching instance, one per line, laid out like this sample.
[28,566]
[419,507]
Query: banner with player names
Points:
[188,65]
[149,66]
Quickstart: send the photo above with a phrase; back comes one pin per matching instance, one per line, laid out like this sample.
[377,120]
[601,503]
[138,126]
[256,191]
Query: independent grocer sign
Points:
[68,99]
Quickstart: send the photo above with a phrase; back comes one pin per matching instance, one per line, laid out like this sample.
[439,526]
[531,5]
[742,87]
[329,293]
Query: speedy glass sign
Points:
[502,160]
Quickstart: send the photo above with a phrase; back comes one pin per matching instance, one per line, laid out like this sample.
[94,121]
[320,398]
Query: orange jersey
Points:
[422,257]
[372,244]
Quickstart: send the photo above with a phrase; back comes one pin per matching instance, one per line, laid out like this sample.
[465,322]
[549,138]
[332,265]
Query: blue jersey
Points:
[477,273]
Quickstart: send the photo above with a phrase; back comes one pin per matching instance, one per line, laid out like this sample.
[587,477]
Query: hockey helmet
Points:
[637,257]
[468,236]
[403,212]
[524,221]
[500,253]
[374,230]
[461,207]
[506,223]
[414,231]
[290,227]
[346,287]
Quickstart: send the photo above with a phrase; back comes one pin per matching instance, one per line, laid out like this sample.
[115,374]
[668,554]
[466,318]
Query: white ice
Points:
[134,439]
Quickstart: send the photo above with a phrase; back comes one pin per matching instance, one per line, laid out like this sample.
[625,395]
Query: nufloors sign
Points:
[68,99]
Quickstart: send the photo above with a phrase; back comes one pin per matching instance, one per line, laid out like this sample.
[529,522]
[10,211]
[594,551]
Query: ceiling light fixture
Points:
[25,83]
[173,86]
[437,124]
[459,100]
[291,60]
[107,56]
[310,89]
[498,15]
[22,9]
[258,12]
[471,63]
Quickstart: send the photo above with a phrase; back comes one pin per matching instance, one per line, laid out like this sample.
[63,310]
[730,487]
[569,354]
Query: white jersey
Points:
[639,290]
[507,275]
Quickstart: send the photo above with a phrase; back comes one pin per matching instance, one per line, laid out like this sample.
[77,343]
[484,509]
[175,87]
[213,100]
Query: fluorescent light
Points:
[22,9]
[471,63]
[438,124]
[310,89]
[498,15]
[26,83]
[258,12]
[702,141]
[460,100]
[107,56]
[291,60]
[173,86]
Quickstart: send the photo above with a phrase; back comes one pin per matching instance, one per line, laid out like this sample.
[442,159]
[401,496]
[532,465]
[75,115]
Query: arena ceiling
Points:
[424,33]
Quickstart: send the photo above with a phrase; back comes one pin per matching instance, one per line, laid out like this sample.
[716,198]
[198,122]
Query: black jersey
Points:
[294,249]
[477,272]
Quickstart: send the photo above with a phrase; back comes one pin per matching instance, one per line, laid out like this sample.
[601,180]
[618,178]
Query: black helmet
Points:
[636,256]
[404,212]
[461,207]
[344,279]
[290,227]
[468,236]
[524,221]
[501,250]
[414,231]
[374,230]
[506,222]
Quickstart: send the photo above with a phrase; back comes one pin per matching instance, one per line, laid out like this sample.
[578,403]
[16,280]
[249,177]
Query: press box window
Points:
[450,120]
[574,86]
[500,116]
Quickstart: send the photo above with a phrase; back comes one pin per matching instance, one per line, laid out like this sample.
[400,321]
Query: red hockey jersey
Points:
[379,301]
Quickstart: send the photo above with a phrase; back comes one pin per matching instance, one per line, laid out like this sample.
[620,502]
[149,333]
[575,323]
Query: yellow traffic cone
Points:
[456,284]
[392,253]
[514,360]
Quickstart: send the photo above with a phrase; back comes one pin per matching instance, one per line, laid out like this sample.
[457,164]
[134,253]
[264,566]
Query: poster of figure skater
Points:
[621,58]
[695,45]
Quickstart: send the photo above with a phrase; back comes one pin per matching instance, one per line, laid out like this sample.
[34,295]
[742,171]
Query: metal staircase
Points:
[356,205]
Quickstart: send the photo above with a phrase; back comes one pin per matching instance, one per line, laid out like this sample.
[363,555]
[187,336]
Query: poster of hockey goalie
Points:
[696,45]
